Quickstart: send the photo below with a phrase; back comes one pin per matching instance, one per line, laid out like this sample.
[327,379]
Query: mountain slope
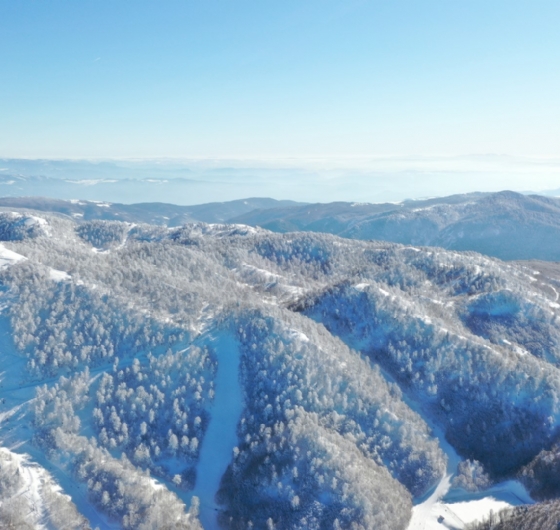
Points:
[152,213]
[507,225]
[353,371]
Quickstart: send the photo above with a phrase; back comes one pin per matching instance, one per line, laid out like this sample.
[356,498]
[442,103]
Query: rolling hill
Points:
[226,376]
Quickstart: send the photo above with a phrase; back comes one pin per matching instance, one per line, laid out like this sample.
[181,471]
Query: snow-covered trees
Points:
[103,234]
[332,434]
[485,395]
[471,476]
[157,412]
[322,433]
[16,226]
[10,476]
[544,516]
[21,509]
[541,476]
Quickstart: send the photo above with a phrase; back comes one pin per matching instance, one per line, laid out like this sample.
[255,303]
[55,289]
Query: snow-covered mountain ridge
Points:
[227,376]
[506,225]
[157,213]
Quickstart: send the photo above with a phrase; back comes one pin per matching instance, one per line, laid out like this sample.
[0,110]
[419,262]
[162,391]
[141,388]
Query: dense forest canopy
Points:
[359,363]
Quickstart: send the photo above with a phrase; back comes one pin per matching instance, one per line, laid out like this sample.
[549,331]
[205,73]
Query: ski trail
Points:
[425,514]
[221,436]
[452,508]
[76,491]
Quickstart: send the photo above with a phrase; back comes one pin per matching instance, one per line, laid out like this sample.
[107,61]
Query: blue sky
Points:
[264,79]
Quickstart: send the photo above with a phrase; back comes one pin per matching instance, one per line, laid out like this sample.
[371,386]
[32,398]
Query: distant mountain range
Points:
[506,225]
[157,213]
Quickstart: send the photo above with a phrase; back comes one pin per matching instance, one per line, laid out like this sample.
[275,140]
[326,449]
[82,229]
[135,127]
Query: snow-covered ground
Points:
[9,257]
[221,436]
[454,508]
[32,477]
[15,434]
[470,507]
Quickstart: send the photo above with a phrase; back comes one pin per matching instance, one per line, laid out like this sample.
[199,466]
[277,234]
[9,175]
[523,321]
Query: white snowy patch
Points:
[91,182]
[9,257]
[58,276]
[298,335]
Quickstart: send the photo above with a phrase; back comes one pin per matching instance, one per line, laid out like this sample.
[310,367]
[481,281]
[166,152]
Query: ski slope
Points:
[221,436]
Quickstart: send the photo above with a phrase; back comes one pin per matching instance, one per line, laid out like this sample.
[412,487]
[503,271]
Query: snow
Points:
[457,515]
[471,507]
[458,507]
[454,508]
[15,398]
[9,257]
[58,276]
[91,182]
[33,221]
[268,275]
[556,295]
[35,477]
[77,492]
[220,439]
[220,230]
[298,335]
[519,350]
[32,477]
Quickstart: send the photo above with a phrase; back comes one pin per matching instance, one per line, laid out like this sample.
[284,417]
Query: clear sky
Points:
[279,79]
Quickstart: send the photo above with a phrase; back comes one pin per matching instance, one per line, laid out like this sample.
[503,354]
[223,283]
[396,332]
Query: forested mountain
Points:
[225,376]
[506,225]
[152,213]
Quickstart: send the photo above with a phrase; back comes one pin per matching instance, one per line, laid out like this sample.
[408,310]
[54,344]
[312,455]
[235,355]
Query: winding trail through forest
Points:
[221,436]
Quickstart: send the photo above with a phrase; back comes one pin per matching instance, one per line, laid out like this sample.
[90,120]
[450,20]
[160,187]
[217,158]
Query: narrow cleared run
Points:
[221,436]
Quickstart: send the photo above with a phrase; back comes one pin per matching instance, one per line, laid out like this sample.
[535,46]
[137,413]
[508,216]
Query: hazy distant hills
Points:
[152,213]
[507,225]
